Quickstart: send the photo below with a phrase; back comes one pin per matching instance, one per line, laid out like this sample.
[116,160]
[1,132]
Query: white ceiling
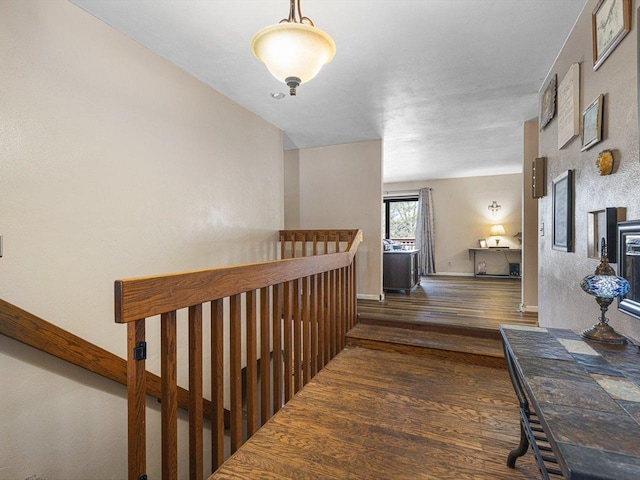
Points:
[447,84]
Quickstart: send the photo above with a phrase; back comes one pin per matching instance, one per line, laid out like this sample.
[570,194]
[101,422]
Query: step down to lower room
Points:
[453,346]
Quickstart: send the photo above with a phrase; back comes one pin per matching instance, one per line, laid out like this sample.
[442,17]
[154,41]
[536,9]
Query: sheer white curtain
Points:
[424,232]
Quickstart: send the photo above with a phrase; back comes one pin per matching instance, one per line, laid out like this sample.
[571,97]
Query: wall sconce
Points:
[496,231]
[494,207]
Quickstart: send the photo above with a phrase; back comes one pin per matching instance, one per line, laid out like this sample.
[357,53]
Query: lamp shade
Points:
[293,50]
[497,230]
[605,286]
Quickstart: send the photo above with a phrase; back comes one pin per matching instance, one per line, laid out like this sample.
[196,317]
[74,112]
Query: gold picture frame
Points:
[547,108]
[610,21]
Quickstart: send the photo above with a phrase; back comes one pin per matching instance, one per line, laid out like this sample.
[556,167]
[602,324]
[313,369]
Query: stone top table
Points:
[579,402]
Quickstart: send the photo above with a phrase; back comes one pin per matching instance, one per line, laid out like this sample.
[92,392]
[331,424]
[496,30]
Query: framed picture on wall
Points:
[563,212]
[592,123]
[547,106]
[610,21]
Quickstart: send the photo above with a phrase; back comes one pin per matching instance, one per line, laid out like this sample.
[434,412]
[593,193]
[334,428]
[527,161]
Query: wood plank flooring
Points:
[474,303]
[384,415]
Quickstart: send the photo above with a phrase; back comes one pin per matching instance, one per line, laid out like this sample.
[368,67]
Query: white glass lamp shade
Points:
[293,50]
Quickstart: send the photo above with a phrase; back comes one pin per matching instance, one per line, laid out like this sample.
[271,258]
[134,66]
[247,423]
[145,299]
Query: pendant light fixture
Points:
[293,50]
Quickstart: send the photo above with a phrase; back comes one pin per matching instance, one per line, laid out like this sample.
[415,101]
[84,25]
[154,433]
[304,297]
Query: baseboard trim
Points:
[369,296]
[452,274]
[528,308]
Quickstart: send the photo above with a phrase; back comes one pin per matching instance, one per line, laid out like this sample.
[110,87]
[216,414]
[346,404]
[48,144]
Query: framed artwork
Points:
[483,243]
[569,106]
[610,23]
[592,123]
[539,177]
[547,102]
[629,265]
[563,212]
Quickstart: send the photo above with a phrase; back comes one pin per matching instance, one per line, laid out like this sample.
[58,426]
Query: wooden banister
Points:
[32,330]
[148,296]
[305,302]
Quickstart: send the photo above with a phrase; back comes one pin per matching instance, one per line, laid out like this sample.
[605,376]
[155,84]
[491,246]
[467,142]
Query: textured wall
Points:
[114,163]
[562,302]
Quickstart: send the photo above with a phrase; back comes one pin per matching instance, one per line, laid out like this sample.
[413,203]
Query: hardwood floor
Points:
[474,303]
[383,415]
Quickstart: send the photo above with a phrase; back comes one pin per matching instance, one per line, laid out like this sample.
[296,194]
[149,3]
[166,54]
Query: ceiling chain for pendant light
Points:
[294,50]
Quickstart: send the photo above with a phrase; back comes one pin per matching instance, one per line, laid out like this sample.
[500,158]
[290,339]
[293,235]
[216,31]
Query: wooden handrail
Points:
[144,297]
[32,330]
[306,307]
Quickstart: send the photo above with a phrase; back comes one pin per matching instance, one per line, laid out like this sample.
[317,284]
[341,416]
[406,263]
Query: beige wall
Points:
[114,163]
[530,221]
[340,186]
[562,302]
[462,217]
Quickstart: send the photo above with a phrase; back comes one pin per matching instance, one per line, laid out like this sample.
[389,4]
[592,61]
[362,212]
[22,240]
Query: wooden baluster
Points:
[293,245]
[297,324]
[136,402]
[313,307]
[306,332]
[334,312]
[217,384]
[196,412]
[347,300]
[337,242]
[321,319]
[252,361]
[339,310]
[277,303]
[352,298]
[265,354]
[235,364]
[326,244]
[327,317]
[345,307]
[287,341]
[282,246]
[354,289]
[169,402]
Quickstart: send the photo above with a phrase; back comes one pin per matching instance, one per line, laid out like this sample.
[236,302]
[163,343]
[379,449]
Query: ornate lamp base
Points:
[603,332]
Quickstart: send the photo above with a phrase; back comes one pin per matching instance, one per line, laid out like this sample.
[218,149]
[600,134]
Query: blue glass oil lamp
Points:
[605,285]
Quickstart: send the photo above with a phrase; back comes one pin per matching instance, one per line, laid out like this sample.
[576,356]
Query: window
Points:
[400,216]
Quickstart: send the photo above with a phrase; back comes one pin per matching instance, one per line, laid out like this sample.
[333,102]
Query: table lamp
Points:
[605,285]
[497,230]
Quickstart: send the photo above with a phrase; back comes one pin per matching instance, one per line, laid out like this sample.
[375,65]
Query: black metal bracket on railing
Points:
[140,353]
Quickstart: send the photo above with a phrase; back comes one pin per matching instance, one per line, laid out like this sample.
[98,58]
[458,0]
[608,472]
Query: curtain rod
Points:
[404,192]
